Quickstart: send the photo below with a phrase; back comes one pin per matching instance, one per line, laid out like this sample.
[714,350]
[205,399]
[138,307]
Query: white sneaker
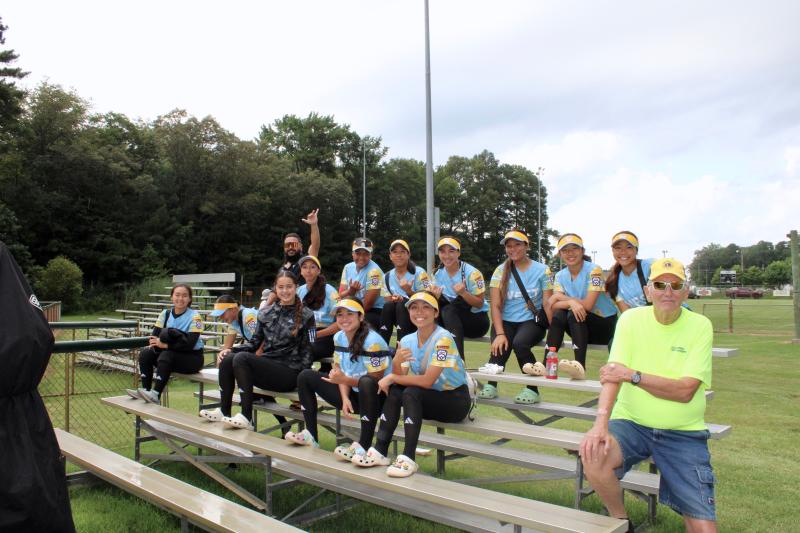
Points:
[214,415]
[150,396]
[346,453]
[402,467]
[303,438]
[237,422]
[133,393]
[423,451]
[372,458]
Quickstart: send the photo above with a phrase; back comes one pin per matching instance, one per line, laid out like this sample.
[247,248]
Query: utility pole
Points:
[428,148]
[539,225]
[364,187]
[793,247]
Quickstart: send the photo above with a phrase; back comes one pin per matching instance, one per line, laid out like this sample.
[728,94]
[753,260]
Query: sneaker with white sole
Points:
[133,393]
[402,467]
[372,458]
[346,453]
[150,396]
[237,422]
[423,451]
[573,369]
[303,438]
[214,415]
[535,369]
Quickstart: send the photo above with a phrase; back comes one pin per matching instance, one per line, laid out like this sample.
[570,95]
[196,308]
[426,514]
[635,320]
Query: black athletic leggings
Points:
[366,402]
[320,349]
[418,403]
[251,370]
[373,317]
[594,330]
[462,322]
[521,337]
[165,362]
[395,314]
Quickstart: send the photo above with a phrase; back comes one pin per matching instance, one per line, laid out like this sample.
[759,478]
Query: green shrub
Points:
[61,280]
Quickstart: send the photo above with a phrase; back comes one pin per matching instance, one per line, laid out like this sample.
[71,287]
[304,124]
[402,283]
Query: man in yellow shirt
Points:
[657,373]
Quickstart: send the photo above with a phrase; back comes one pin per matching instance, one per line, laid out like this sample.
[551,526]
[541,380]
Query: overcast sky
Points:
[677,120]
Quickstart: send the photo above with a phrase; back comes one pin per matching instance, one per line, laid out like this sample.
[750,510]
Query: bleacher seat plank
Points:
[502,507]
[200,507]
[567,344]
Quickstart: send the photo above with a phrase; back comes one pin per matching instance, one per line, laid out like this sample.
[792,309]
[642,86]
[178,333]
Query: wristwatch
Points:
[636,378]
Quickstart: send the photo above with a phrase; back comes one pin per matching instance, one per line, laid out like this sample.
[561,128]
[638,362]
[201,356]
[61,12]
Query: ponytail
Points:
[315,297]
[359,338]
[504,280]
[612,281]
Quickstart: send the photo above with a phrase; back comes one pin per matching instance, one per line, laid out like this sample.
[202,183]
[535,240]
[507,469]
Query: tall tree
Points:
[11,96]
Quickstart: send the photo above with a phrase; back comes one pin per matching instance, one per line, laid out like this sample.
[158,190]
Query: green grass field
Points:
[756,393]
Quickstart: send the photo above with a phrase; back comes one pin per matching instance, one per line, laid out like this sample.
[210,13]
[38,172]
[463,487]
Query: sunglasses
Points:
[674,285]
[363,242]
[289,245]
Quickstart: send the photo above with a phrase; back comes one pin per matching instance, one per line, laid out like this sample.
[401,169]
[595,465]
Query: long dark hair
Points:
[612,281]
[298,303]
[507,273]
[360,335]
[315,297]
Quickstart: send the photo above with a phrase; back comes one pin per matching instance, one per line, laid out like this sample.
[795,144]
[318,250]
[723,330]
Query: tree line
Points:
[764,263]
[128,200]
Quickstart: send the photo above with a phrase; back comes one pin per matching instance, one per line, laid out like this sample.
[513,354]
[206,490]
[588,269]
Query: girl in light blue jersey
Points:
[428,380]
[460,289]
[174,346]
[321,298]
[361,358]
[579,305]
[628,277]
[518,289]
[401,282]
[363,279]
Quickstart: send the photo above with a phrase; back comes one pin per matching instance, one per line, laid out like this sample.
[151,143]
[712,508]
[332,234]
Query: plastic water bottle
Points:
[551,361]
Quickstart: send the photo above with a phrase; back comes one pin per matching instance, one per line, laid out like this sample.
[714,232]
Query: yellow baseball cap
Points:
[515,235]
[625,236]
[350,305]
[221,307]
[567,239]
[426,297]
[402,243]
[667,266]
[449,241]
[309,258]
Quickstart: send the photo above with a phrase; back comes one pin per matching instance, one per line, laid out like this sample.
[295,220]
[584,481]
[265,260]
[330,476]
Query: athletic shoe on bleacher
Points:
[150,396]
[346,453]
[303,438]
[214,415]
[133,393]
[372,458]
[237,422]
[535,369]
[402,467]
[572,369]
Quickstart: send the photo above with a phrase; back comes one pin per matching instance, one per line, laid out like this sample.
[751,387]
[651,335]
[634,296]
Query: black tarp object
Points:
[33,486]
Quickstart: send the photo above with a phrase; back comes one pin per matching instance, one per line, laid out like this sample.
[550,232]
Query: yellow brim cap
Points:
[350,305]
[402,243]
[222,307]
[627,237]
[449,242]
[515,235]
[566,240]
[424,297]
[667,265]
[310,258]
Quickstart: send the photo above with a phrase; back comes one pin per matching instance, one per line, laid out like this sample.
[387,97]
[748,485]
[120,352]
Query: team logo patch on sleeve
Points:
[375,362]
[441,355]
[198,324]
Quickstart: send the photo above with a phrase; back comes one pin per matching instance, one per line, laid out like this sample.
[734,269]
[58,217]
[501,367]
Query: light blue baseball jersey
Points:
[189,321]
[250,318]
[322,316]
[370,277]
[589,279]
[536,279]
[375,358]
[419,282]
[467,274]
[439,350]
[630,288]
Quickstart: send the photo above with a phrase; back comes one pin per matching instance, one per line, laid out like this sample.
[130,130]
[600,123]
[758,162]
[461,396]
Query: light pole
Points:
[364,187]
[539,225]
[428,147]
[741,258]
[594,253]
[664,252]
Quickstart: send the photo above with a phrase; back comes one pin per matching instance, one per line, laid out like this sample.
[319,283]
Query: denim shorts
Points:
[687,479]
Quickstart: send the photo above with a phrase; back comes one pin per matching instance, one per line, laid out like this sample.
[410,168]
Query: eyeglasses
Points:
[674,285]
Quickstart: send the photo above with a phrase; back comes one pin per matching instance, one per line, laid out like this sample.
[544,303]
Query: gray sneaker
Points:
[150,396]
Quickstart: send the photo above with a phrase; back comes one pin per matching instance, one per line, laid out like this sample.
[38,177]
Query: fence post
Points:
[730,316]
[793,247]
[66,390]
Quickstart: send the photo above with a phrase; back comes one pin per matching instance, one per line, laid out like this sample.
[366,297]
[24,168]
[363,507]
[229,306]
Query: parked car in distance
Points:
[743,292]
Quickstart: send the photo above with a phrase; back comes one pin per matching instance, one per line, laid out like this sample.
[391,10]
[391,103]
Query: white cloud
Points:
[576,152]
[792,157]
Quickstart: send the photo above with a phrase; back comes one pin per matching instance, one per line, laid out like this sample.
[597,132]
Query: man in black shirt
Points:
[293,246]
